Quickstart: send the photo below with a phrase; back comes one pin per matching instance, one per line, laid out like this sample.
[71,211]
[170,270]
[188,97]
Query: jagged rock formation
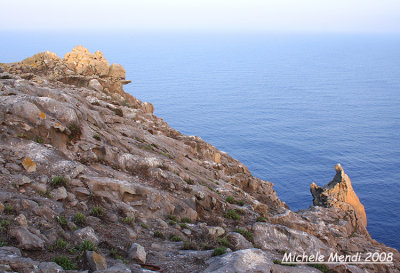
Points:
[92,180]
[339,193]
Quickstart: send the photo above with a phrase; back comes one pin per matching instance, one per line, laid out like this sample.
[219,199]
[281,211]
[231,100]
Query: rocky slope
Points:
[91,180]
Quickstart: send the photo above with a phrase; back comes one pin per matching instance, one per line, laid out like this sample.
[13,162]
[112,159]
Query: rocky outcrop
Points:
[339,193]
[91,179]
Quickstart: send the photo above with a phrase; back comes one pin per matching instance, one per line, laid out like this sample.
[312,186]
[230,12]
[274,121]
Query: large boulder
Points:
[82,62]
[26,239]
[117,71]
[281,238]
[339,193]
[242,261]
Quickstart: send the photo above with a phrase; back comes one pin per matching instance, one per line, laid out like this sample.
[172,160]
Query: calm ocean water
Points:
[288,106]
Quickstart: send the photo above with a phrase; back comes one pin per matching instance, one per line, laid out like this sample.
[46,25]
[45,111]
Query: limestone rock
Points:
[278,237]
[96,261]
[95,85]
[87,233]
[26,239]
[148,108]
[29,165]
[117,71]
[216,231]
[82,62]
[50,267]
[238,241]
[137,252]
[117,268]
[21,220]
[42,60]
[59,193]
[217,158]
[242,261]
[339,193]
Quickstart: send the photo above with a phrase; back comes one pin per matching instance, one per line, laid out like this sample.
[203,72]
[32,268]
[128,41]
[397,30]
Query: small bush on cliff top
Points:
[232,214]
[97,137]
[62,220]
[9,209]
[59,181]
[87,245]
[320,267]
[159,234]
[79,219]
[175,238]
[97,211]
[61,244]
[118,112]
[172,217]
[230,199]
[189,245]
[186,220]
[246,233]
[127,220]
[219,251]
[75,131]
[65,262]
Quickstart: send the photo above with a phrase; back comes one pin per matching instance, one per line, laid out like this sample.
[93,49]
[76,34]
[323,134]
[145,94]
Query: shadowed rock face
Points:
[339,193]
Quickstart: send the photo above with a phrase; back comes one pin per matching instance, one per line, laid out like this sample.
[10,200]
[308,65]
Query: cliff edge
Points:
[92,181]
[339,193]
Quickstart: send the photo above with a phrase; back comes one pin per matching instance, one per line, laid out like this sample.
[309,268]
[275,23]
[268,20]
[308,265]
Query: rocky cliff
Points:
[92,180]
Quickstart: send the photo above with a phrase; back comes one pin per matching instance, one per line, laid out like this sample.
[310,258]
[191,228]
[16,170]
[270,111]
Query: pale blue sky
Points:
[205,15]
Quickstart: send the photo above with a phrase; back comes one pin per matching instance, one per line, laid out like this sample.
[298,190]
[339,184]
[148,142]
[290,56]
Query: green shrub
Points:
[97,137]
[145,226]
[280,263]
[62,220]
[59,181]
[232,214]
[240,211]
[175,238]
[186,220]
[87,245]
[172,217]
[230,199]
[184,225]
[159,234]
[45,193]
[127,220]
[65,263]
[189,181]
[240,202]
[189,245]
[75,131]
[219,251]
[97,211]
[246,233]
[2,243]
[118,112]
[261,219]
[171,222]
[224,242]
[79,219]
[38,139]
[320,267]
[4,224]
[61,244]
[9,209]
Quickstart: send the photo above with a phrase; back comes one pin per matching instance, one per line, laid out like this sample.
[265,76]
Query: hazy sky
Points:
[208,15]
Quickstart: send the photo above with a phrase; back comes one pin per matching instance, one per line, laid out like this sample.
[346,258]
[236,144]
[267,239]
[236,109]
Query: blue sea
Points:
[289,106]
